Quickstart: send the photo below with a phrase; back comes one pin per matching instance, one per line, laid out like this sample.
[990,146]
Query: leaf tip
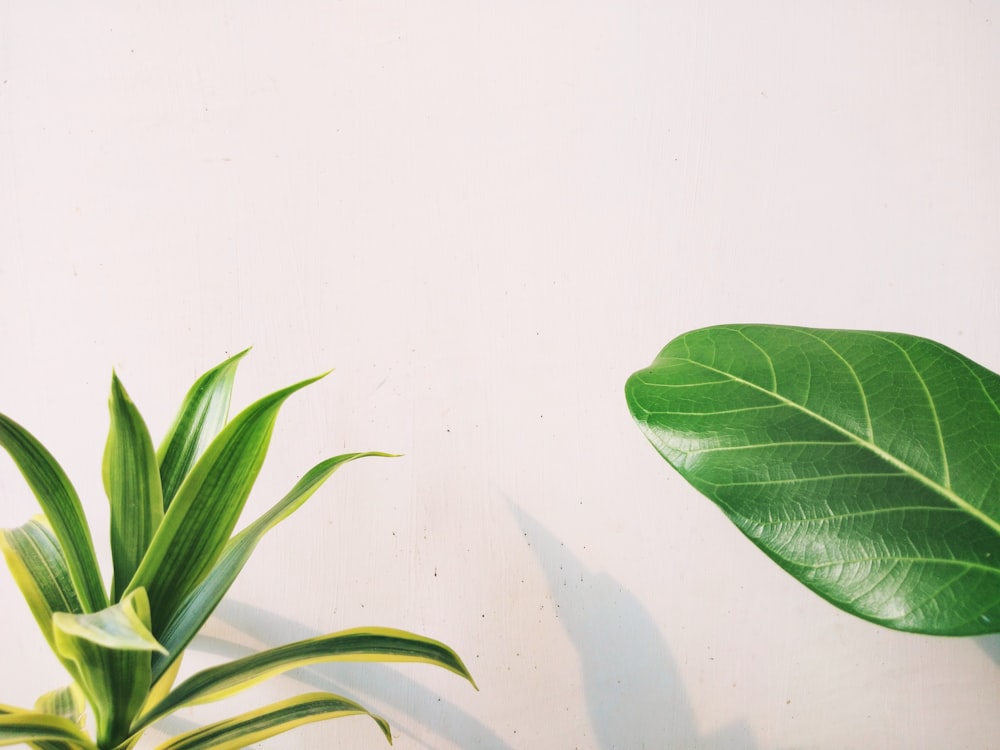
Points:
[310,381]
[118,392]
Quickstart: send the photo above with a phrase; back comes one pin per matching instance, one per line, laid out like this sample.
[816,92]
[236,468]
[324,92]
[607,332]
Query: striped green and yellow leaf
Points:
[200,603]
[24,727]
[39,568]
[201,417]
[206,508]
[110,652]
[68,702]
[355,645]
[62,508]
[255,726]
[132,480]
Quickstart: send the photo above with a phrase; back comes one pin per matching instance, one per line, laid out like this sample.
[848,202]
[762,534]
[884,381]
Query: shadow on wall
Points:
[171,726]
[634,695]
[399,698]
[991,645]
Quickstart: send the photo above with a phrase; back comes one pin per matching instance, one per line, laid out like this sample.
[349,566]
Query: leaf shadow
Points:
[401,698]
[168,726]
[991,645]
[634,693]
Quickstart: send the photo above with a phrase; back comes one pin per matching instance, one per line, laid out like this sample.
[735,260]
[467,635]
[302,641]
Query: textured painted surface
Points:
[485,218]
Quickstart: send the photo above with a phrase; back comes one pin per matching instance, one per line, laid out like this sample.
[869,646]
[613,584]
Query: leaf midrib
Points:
[919,476]
[965,565]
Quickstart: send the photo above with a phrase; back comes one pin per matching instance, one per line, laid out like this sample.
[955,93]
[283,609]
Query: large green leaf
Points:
[256,726]
[201,602]
[61,506]
[866,464]
[110,651]
[360,644]
[200,418]
[205,509]
[132,480]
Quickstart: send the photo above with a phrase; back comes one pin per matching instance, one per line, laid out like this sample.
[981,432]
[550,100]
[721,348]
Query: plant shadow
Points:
[634,694]
[991,645]
[400,697]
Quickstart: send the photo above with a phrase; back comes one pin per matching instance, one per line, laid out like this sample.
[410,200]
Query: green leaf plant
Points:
[865,464]
[174,555]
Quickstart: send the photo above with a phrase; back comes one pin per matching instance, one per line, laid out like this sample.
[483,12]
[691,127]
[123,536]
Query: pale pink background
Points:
[485,216]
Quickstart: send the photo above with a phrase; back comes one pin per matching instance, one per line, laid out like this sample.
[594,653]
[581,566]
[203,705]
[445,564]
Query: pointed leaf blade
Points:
[41,740]
[39,568]
[356,645]
[202,415]
[61,506]
[163,679]
[32,727]
[866,464]
[132,482]
[123,627]
[206,508]
[199,605]
[256,726]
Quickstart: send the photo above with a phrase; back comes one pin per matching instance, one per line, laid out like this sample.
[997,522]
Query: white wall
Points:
[485,216]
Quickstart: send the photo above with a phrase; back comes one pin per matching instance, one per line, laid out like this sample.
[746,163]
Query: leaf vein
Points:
[859,514]
[946,471]
[754,446]
[965,564]
[804,480]
[857,379]
[714,413]
[770,362]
